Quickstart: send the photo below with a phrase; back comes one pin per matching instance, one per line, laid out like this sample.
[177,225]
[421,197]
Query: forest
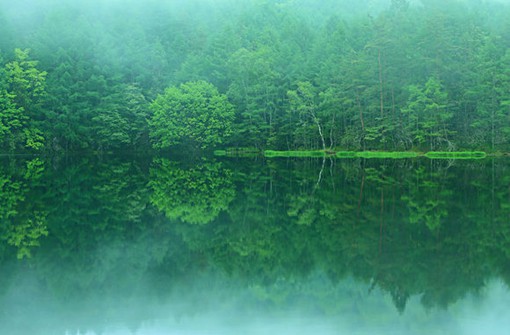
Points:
[99,76]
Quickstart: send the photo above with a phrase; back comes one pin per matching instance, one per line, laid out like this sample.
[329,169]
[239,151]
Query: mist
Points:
[212,305]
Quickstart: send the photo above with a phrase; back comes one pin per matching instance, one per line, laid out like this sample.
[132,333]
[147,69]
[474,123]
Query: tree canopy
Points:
[194,114]
[390,75]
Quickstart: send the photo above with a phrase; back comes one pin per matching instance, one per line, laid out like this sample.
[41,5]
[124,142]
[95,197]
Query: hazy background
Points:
[212,305]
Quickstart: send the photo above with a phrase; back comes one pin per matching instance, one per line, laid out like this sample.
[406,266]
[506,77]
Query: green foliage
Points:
[21,91]
[303,101]
[428,116]
[254,91]
[194,113]
[341,154]
[24,81]
[409,78]
[12,121]
[382,154]
[120,120]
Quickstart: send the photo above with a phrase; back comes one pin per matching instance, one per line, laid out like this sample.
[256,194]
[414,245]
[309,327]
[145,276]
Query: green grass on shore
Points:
[387,154]
[364,154]
[340,154]
[456,155]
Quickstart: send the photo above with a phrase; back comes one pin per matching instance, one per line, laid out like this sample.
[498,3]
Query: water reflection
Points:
[411,247]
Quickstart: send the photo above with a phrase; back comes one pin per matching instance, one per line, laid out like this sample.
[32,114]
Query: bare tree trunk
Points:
[319,127]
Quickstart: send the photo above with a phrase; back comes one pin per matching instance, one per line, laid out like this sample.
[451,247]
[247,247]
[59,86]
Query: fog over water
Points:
[219,309]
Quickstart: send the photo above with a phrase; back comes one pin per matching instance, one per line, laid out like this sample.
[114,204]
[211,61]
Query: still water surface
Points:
[151,245]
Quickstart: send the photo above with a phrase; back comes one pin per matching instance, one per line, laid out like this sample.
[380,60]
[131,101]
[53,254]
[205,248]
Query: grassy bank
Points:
[387,154]
[341,154]
[243,152]
[456,155]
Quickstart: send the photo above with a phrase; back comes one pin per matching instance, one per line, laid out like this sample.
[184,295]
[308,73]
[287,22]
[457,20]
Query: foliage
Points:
[382,154]
[193,113]
[427,115]
[405,78]
[21,91]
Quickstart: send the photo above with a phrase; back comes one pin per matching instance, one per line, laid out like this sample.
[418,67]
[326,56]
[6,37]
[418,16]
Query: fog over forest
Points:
[338,75]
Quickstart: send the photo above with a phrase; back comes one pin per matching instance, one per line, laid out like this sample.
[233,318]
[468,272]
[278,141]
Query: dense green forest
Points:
[267,74]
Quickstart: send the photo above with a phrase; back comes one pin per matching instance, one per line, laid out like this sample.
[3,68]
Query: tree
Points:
[489,93]
[428,115]
[304,100]
[121,119]
[255,92]
[21,93]
[194,113]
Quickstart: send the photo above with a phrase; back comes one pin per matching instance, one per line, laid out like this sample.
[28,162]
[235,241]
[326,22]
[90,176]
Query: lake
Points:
[159,245]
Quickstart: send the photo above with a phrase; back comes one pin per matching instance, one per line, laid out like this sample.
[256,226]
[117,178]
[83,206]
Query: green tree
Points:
[121,119]
[194,113]
[255,92]
[21,94]
[428,115]
[489,94]
[304,100]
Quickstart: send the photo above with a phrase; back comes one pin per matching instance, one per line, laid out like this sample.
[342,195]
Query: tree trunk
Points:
[319,127]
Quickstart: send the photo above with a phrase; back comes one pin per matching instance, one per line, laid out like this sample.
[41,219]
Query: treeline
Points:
[433,76]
